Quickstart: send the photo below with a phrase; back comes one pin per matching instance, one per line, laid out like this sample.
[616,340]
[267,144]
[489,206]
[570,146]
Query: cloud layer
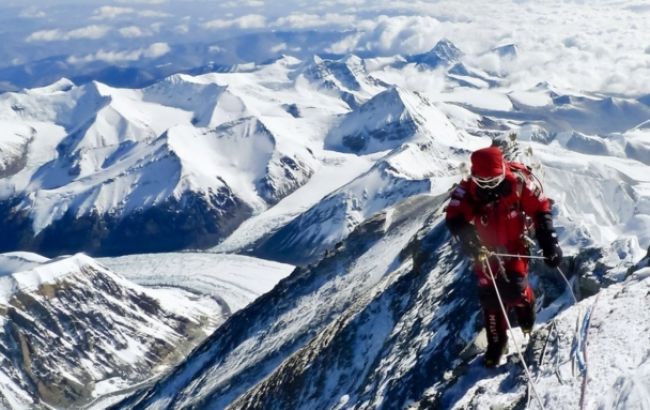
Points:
[153,51]
[93,32]
[600,45]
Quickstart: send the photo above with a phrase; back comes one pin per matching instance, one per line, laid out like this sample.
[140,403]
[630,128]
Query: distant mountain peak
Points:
[387,120]
[506,50]
[61,85]
[443,53]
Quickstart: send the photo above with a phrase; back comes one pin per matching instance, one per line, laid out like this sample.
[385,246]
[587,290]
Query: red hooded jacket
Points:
[500,223]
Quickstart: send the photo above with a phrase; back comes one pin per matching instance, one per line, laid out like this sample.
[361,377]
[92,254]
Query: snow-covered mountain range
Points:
[342,167]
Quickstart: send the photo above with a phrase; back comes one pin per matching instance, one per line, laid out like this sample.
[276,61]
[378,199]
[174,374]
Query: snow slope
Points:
[617,359]
[336,170]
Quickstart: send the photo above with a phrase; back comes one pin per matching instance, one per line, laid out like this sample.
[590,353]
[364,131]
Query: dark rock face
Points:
[393,131]
[356,354]
[320,72]
[58,340]
[294,174]
[193,221]
[14,165]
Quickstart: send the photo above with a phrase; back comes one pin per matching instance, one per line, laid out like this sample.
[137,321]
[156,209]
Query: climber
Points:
[487,214]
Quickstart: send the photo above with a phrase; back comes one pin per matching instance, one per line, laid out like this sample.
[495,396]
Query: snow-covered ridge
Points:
[611,351]
[390,313]
[47,273]
[134,153]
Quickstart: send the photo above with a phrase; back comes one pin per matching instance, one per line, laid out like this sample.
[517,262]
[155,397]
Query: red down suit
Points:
[496,219]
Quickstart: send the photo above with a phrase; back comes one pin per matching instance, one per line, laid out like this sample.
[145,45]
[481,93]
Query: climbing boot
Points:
[526,318]
[493,354]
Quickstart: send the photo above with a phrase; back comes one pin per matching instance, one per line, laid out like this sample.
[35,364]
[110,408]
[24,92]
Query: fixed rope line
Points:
[585,380]
[512,334]
[513,255]
[510,255]
[579,348]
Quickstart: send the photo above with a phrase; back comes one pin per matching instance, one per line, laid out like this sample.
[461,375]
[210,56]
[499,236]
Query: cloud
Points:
[346,45]
[153,14]
[304,20]
[396,35]
[156,27]
[639,8]
[45,35]
[155,50]
[92,32]
[133,32]
[151,2]
[228,4]
[248,21]
[32,13]
[575,44]
[279,47]
[111,12]
[182,29]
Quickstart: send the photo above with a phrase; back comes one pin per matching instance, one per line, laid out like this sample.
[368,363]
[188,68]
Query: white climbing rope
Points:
[579,348]
[511,255]
[585,375]
[512,334]
[576,354]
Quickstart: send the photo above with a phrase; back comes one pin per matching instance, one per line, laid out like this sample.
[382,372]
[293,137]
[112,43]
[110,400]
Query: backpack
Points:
[525,177]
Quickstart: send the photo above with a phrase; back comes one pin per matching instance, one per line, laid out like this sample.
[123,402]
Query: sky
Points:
[601,46]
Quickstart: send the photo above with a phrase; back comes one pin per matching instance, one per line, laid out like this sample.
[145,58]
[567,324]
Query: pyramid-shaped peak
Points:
[352,59]
[390,99]
[288,60]
[443,53]
[382,123]
[447,49]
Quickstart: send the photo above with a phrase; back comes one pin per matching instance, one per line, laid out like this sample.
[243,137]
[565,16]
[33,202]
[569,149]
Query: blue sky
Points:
[595,45]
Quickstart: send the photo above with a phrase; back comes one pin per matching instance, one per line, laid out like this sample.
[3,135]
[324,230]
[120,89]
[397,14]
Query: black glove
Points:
[547,239]
[466,236]
[553,256]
